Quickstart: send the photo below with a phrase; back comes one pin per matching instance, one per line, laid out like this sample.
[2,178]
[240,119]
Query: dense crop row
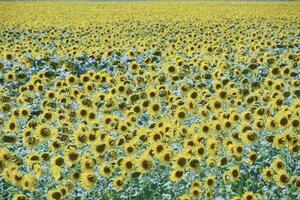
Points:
[149,100]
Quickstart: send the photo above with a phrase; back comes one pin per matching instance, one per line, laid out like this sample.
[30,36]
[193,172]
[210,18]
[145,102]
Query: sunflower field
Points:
[149,100]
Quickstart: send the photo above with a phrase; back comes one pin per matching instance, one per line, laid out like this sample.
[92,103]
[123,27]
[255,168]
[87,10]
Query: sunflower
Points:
[249,196]
[54,195]
[282,178]
[247,115]
[75,176]
[71,80]
[236,198]
[193,94]
[176,175]
[295,123]
[223,161]
[118,183]
[259,123]
[71,157]
[45,133]
[89,87]
[55,145]
[195,193]
[194,164]
[252,157]
[212,146]
[57,161]
[29,182]
[217,126]
[170,69]
[267,174]
[93,137]
[271,123]
[33,157]
[8,171]
[24,112]
[145,163]
[249,137]
[283,121]
[166,156]
[106,170]
[87,162]
[16,178]
[295,182]
[80,137]
[123,128]
[19,197]
[65,189]
[208,194]
[156,136]
[181,160]
[9,139]
[50,95]
[185,197]
[181,114]
[99,147]
[10,76]
[37,169]
[234,173]
[238,149]
[83,112]
[200,151]
[84,78]
[279,141]
[88,180]
[278,164]
[134,67]
[128,164]
[211,161]
[130,147]
[158,148]
[216,104]
[12,125]
[225,177]
[204,113]
[196,183]
[154,109]
[210,181]
[48,116]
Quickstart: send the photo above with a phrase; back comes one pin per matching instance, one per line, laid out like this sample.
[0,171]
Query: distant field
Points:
[149,100]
